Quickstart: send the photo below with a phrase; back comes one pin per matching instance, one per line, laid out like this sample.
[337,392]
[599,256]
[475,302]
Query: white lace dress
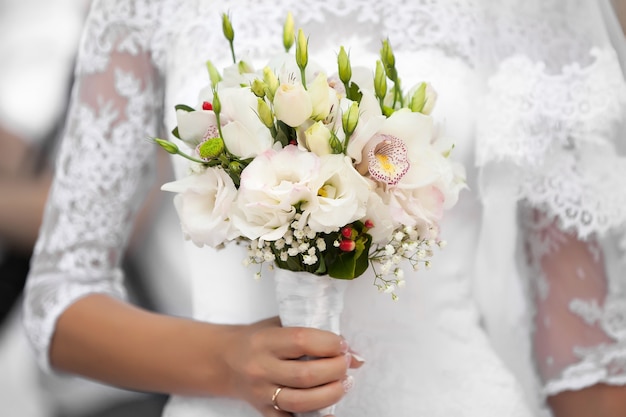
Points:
[458,342]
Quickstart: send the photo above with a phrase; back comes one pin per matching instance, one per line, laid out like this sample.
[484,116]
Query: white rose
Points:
[341,194]
[292,104]
[203,203]
[317,139]
[244,134]
[271,187]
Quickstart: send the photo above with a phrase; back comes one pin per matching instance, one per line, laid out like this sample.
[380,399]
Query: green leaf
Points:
[175,132]
[285,133]
[184,107]
[354,93]
[321,269]
[349,265]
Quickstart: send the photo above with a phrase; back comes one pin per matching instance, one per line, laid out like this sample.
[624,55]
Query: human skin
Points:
[116,343]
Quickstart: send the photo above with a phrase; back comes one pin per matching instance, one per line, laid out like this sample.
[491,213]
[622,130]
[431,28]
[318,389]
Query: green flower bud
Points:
[235,167]
[271,81]
[418,99]
[350,118]
[265,113]
[288,32]
[214,74]
[211,148]
[217,104]
[380,81]
[244,67]
[258,88]
[167,145]
[302,52]
[386,54]
[389,61]
[345,69]
[227,28]
[335,144]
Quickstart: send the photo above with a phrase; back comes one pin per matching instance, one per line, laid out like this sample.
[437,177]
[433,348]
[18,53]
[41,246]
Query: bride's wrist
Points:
[219,343]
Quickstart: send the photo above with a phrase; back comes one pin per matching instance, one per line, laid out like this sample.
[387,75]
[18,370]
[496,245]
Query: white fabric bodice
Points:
[427,354]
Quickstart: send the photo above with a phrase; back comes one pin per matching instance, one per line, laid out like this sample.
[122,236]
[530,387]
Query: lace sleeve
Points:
[553,123]
[580,320]
[102,168]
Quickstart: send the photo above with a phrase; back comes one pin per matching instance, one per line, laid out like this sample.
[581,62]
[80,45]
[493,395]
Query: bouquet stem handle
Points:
[308,300]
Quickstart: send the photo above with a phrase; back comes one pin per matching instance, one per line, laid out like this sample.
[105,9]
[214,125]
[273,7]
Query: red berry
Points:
[346,232]
[207,106]
[369,224]
[347,245]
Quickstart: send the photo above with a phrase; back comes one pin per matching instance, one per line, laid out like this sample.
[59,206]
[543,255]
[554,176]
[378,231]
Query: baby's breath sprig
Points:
[404,244]
[300,249]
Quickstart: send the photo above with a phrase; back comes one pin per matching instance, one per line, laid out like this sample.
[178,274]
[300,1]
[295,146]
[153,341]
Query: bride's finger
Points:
[311,373]
[295,342]
[304,400]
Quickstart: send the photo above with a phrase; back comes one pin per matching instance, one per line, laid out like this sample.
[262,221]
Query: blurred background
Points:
[38,45]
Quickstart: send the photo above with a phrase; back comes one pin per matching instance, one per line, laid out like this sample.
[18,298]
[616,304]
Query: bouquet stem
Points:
[308,300]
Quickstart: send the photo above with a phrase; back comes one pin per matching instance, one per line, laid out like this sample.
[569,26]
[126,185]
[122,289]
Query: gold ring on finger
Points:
[275,398]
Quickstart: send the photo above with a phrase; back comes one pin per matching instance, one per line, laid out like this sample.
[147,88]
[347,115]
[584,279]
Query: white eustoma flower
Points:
[417,207]
[341,195]
[292,104]
[203,203]
[320,98]
[239,74]
[272,187]
[317,139]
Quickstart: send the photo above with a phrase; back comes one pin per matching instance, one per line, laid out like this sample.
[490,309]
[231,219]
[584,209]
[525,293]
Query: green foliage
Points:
[285,134]
[353,92]
[348,265]
[184,107]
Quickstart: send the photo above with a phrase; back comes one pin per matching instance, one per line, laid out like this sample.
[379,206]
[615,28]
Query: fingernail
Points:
[357,357]
[348,358]
[348,383]
[343,346]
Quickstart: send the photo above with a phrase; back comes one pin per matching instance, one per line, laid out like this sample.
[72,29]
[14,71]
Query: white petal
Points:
[193,125]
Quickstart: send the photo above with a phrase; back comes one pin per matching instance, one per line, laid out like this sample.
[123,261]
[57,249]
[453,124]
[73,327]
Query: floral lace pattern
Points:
[578,298]
[99,176]
[557,130]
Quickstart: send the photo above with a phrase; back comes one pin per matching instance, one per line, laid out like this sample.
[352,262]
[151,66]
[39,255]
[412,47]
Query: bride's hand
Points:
[263,357]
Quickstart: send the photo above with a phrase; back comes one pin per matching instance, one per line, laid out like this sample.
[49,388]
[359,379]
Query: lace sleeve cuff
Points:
[49,295]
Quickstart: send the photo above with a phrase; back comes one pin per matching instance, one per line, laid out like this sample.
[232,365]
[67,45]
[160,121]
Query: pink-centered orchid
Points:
[388,161]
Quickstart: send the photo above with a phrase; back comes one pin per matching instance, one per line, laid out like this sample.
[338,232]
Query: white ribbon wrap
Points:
[308,300]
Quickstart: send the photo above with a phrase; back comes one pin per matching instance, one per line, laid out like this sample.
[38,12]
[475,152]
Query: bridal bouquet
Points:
[323,174]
